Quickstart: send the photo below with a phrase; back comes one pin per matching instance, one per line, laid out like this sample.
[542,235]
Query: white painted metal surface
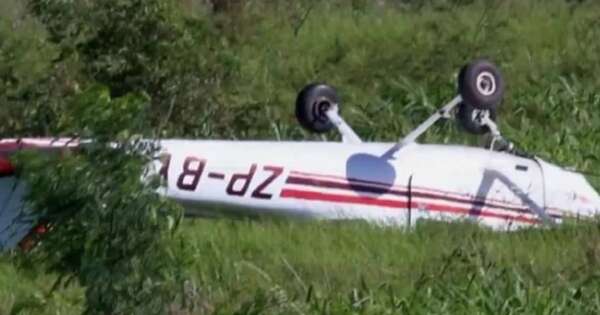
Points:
[326,180]
[348,181]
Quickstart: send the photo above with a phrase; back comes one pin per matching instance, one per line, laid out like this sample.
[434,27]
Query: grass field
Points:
[278,267]
[357,268]
[392,65]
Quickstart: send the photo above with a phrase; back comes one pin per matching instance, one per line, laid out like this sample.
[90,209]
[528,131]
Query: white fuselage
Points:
[348,181]
[329,180]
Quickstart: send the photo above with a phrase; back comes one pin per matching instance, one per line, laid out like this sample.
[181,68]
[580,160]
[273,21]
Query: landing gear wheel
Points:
[481,85]
[469,118]
[312,103]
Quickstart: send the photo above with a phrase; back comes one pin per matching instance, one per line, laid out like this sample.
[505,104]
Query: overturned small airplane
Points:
[394,183]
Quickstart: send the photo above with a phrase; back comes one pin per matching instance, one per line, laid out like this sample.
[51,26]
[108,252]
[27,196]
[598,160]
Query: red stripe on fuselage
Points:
[430,206]
[423,190]
[379,189]
[359,185]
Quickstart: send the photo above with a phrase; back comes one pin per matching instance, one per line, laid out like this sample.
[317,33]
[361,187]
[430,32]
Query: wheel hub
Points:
[321,108]
[486,83]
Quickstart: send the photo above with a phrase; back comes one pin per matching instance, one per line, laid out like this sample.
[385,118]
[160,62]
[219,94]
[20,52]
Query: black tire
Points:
[312,103]
[480,84]
[467,118]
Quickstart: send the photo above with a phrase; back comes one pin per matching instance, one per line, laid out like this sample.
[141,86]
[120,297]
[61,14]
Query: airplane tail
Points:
[17,223]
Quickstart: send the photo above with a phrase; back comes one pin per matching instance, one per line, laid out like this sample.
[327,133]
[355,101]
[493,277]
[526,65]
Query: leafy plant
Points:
[108,229]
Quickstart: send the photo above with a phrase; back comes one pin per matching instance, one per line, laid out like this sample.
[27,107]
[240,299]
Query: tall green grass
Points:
[393,67]
[279,267]
[359,268]
[24,289]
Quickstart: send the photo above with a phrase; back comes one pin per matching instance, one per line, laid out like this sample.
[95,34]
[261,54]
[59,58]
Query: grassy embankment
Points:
[392,67]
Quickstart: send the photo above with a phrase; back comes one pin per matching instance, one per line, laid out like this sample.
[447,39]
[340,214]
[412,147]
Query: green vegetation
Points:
[286,268]
[109,231]
[355,268]
[179,69]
